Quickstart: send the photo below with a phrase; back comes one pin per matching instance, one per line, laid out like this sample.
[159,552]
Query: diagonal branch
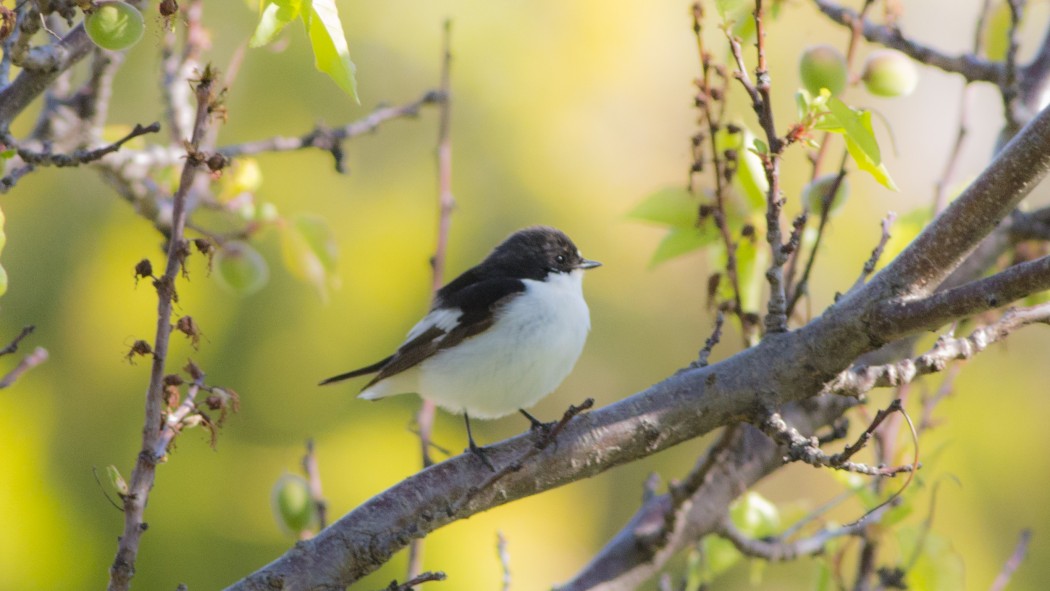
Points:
[971,68]
[943,245]
[1018,281]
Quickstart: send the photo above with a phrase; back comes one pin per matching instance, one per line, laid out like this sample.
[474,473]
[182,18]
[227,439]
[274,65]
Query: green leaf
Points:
[752,260]
[725,7]
[719,555]
[331,51]
[274,16]
[856,129]
[319,239]
[856,125]
[996,32]
[755,515]
[938,566]
[750,178]
[309,252]
[680,241]
[672,206]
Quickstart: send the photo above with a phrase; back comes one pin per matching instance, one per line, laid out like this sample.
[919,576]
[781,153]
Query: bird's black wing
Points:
[477,304]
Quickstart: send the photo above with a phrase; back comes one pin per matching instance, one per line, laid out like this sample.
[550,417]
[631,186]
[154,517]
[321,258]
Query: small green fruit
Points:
[292,505]
[889,73]
[241,268]
[822,66]
[115,25]
[814,192]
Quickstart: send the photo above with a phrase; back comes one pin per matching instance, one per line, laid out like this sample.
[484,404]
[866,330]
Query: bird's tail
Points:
[357,372]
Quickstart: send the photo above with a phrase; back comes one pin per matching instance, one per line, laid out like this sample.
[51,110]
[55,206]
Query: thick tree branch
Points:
[688,404]
[990,198]
[1021,280]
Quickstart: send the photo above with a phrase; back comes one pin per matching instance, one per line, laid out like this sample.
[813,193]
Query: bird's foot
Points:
[481,454]
[536,424]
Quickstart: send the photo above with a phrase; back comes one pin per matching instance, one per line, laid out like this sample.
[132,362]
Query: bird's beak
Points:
[588,264]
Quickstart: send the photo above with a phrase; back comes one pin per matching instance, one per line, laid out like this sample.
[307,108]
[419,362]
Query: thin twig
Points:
[859,380]
[38,356]
[79,157]
[327,139]
[446,203]
[709,345]
[759,91]
[547,438]
[778,549]
[1003,578]
[705,99]
[827,200]
[876,253]
[410,584]
[143,476]
[504,560]
[12,347]
[313,479]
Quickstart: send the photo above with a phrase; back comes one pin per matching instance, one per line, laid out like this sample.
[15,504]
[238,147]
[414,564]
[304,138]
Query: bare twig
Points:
[143,476]
[410,584]
[547,437]
[708,95]
[759,91]
[827,200]
[1003,578]
[778,549]
[330,139]
[805,449]
[709,344]
[446,204]
[313,479]
[83,156]
[876,253]
[857,381]
[504,560]
[38,356]
[12,347]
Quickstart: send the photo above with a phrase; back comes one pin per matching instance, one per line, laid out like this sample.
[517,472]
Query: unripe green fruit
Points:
[822,66]
[241,268]
[115,25]
[292,505]
[814,192]
[889,73]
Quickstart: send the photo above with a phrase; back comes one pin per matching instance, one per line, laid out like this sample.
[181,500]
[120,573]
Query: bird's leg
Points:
[537,425]
[474,447]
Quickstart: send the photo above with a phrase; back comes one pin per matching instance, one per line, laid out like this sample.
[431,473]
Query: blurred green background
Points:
[565,113]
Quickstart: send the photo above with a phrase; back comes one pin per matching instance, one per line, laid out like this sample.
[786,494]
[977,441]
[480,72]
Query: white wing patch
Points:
[444,318]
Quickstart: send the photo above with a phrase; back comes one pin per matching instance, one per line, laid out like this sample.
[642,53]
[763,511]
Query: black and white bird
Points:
[499,337]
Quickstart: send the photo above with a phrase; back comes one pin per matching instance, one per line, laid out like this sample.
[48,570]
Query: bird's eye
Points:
[560,259]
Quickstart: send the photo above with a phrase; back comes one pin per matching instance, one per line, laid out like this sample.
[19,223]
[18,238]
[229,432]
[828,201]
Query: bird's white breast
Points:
[528,351]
